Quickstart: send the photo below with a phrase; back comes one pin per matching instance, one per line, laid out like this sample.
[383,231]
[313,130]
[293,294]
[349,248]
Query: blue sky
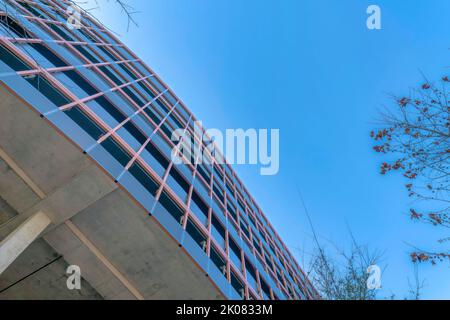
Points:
[312,69]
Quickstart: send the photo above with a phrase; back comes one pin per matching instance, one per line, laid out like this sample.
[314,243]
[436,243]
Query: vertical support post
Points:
[19,239]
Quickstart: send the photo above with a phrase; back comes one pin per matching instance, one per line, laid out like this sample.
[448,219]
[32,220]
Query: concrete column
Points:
[19,239]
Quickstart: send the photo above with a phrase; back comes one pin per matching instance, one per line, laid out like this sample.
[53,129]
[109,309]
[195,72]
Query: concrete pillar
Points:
[19,239]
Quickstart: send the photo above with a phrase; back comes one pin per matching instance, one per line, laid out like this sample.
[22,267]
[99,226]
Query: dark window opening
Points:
[133,97]
[87,35]
[245,230]
[216,170]
[234,247]
[280,278]
[128,71]
[32,10]
[173,209]
[237,285]
[250,269]
[230,189]
[256,245]
[179,179]
[197,202]
[107,105]
[166,129]
[60,32]
[265,288]
[291,292]
[144,178]
[110,108]
[110,75]
[86,54]
[44,87]
[241,205]
[232,211]
[49,55]
[135,132]
[217,225]
[178,184]
[161,105]
[81,82]
[218,261]
[204,174]
[157,155]
[196,234]
[116,151]
[252,219]
[105,51]
[85,122]
[218,192]
[13,26]
[155,117]
[12,60]
[146,89]
[175,119]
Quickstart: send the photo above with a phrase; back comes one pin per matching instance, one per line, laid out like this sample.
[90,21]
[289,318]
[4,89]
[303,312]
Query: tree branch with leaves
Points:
[414,137]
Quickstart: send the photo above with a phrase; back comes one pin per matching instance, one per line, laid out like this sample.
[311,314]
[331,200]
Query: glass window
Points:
[110,108]
[204,173]
[155,82]
[85,52]
[169,97]
[265,290]
[218,192]
[172,208]
[153,115]
[218,261]
[11,25]
[133,96]
[12,60]
[48,90]
[152,162]
[91,128]
[235,252]
[237,285]
[116,151]
[48,54]
[178,184]
[196,234]
[81,82]
[109,73]
[199,208]
[219,175]
[256,244]
[144,178]
[146,89]
[251,274]
[217,230]
[135,132]
[154,151]
[33,10]
[60,31]
[232,211]
[230,189]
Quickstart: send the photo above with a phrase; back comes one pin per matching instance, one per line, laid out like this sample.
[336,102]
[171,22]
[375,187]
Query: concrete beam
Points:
[84,189]
[77,232]
[18,240]
[16,168]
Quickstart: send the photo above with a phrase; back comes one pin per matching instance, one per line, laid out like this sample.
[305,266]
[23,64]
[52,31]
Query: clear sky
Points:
[312,69]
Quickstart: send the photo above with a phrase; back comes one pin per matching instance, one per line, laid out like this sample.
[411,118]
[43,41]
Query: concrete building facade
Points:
[87,178]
